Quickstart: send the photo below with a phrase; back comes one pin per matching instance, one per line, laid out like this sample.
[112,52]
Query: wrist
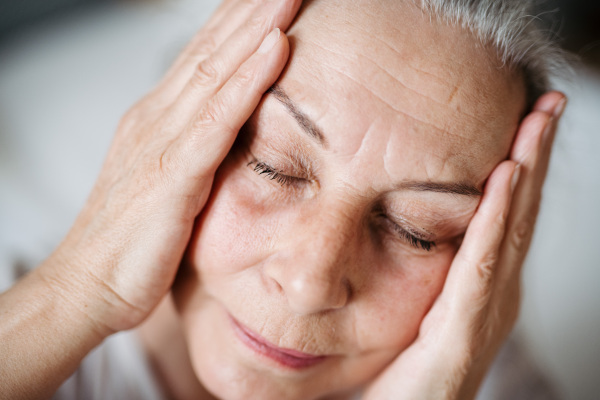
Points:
[81,297]
[44,334]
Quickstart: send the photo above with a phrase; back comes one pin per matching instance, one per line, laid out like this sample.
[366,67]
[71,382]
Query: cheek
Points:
[232,233]
[397,299]
[238,229]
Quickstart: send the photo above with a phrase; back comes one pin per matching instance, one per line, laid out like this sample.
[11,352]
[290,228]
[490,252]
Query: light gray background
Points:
[65,83]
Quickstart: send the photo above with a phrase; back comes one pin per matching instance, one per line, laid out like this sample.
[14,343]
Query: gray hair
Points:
[514,31]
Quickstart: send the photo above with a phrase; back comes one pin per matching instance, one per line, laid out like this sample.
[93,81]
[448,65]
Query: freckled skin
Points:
[311,268]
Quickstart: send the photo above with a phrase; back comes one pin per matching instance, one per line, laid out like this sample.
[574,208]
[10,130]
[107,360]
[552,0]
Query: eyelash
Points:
[413,240]
[271,173]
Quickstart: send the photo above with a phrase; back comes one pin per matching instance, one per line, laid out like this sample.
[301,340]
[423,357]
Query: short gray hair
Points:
[514,31]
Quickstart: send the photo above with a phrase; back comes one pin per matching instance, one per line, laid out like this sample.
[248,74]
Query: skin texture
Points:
[311,265]
[120,258]
[324,264]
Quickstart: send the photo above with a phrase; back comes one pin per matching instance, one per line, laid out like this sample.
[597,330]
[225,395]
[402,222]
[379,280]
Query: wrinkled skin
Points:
[390,239]
[314,265]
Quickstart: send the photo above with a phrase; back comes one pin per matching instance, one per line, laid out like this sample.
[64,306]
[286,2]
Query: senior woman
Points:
[364,231]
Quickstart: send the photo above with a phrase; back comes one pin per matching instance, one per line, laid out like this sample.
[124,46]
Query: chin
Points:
[232,381]
[232,370]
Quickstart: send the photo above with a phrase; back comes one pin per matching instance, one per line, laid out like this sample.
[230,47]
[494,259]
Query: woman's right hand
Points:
[121,256]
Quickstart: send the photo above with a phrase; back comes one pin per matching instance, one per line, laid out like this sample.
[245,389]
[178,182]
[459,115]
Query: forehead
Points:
[386,82]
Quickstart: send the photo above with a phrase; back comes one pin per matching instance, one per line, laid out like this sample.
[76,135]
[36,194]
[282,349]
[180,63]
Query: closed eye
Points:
[269,172]
[412,239]
[406,235]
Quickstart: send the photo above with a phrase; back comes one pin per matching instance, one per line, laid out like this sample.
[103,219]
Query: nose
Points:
[312,268]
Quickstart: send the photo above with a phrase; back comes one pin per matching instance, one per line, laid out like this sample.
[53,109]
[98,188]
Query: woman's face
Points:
[334,220]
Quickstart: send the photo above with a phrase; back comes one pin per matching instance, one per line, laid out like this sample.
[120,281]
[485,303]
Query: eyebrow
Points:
[310,128]
[463,189]
[307,125]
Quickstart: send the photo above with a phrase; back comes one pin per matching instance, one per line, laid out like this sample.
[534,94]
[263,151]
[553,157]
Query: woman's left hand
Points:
[461,334]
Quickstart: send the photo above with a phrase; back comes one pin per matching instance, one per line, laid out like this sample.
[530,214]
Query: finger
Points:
[210,134]
[532,149]
[533,143]
[210,66]
[213,72]
[226,8]
[474,266]
[552,103]
[228,17]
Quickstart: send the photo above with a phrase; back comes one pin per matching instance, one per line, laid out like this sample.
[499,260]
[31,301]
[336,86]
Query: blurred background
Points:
[70,68]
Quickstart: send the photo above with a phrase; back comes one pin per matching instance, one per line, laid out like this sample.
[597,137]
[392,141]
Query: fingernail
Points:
[515,178]
[560,108]
[269,41]
[549,128]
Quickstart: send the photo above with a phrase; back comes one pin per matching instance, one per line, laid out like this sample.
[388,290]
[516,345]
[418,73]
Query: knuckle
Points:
[130,119]
[207,44]
[207,116]
[500,219]
[520,236]
[211,118]
[207,74]
[486,267]
[245,78]
[259,24]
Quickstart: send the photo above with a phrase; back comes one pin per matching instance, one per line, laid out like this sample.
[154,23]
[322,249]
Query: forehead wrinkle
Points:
[402,112]
[450,158]
[456,137]
[472,89]
[370,144]
[403,83]
[440,30]
[453,89]
[365,86]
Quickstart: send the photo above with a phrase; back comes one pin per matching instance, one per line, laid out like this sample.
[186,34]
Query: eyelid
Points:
[297,159]
[281,150]
[412,238]
[264,169]
[426,236]
[415,238]
[404,223]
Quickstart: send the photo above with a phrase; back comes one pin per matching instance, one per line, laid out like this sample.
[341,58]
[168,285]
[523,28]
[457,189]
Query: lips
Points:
[285,357]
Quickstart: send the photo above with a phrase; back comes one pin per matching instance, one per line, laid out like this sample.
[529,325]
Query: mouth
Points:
[286,357]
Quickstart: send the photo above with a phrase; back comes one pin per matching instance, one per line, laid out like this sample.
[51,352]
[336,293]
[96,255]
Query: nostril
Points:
[277,286]
[271,283]
[311,278]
